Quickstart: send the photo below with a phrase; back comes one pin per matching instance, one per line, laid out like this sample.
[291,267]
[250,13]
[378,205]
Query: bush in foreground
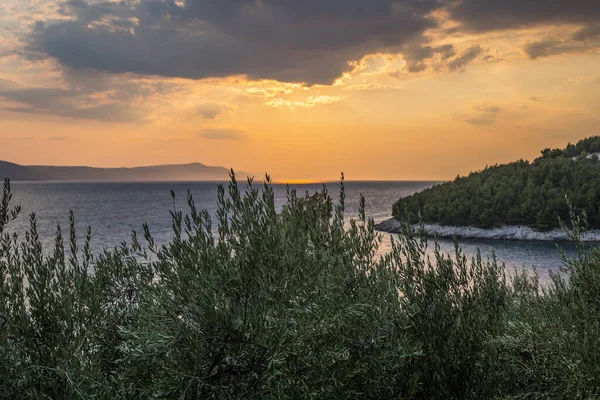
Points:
[289,304]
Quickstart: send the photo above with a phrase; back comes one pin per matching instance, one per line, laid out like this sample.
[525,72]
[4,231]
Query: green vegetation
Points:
[520,193]
[287,305]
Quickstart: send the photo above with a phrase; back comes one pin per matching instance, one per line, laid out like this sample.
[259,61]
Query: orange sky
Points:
[376,120]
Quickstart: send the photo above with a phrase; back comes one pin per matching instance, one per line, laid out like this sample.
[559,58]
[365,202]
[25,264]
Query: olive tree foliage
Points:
[274,303]
[285,303]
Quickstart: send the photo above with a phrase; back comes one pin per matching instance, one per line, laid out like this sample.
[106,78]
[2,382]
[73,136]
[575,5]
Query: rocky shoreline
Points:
[506,233]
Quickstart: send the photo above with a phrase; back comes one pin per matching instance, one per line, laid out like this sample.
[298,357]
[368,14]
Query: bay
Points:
[114,210]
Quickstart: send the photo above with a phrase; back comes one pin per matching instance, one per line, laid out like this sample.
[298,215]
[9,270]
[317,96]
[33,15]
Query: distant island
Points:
[519,200]
[182,172]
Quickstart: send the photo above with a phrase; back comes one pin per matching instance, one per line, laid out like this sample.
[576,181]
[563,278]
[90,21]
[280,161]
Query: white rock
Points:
[505,233]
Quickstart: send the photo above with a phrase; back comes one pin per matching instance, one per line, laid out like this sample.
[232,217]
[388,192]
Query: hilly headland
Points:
[522,200]
[178,172]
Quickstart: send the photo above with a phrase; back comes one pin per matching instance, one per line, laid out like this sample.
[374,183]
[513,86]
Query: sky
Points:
[302,89]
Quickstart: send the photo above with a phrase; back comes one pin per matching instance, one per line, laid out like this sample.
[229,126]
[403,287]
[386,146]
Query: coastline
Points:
[520,233]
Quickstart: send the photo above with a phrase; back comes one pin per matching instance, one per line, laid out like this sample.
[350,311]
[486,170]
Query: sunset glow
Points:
[377,89]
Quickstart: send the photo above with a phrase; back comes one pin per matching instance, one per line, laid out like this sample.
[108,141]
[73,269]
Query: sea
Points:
[113,210]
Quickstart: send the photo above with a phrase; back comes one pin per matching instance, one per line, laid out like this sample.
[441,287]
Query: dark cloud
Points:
[37,97]
[103,113]
[308,41]
[585,39]
[461,61]
[86,12]
[549,47]
[490,15]
[417,56]
[297,41]
[446,51]
[223,134]
[66,103]
[543,48]
[487,15]
[489,58]
[589,32]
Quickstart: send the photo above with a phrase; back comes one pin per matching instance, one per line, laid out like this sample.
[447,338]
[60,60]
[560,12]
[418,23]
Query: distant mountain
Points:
[19,173]
[183,172]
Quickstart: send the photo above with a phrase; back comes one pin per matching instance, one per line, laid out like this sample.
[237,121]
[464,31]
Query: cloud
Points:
[65,103]
[292,42]
[588,32]
[489,58]
[278,89]
[439,58]
[369,86]
[482,115]
[465,58]
[310,41]
[213,111]
[39,98]
[86,12]
[489,15]
[223,134]
[5,84]
[489,109]
[551,46]
[543,48]
[309,102]
[416,56]
[493,15]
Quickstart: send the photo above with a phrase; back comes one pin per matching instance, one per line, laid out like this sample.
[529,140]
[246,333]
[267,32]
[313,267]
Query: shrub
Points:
[289,304]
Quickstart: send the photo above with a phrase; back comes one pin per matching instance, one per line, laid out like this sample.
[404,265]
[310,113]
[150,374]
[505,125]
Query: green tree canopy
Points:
[520,193]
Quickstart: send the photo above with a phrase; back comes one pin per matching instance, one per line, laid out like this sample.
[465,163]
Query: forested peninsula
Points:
[519,194]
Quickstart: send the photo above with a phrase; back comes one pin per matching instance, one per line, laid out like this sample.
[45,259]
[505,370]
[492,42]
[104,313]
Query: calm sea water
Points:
[114,210]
